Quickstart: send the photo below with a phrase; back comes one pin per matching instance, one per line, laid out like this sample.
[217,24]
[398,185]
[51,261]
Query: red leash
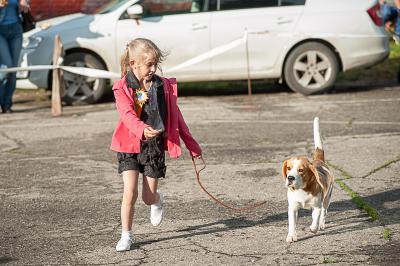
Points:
[247,208]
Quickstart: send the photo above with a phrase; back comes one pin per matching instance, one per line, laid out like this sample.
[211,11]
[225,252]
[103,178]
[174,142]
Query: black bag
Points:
[28,21]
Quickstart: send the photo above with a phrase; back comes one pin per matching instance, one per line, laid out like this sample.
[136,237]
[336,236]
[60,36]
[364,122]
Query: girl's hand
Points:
[150,132]
[24,6]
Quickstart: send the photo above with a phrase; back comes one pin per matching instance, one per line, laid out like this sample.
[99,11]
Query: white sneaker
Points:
[157,210]
[124,244]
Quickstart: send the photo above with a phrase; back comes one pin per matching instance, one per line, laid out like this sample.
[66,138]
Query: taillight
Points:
[375,14]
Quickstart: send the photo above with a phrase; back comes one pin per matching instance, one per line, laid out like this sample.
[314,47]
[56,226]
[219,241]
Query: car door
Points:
[179,27]
[269,23]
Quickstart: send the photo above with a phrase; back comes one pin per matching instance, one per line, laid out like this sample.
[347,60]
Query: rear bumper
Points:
[369,52]
[368,60]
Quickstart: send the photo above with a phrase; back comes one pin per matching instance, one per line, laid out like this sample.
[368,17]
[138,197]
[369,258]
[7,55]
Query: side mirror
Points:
[135,11]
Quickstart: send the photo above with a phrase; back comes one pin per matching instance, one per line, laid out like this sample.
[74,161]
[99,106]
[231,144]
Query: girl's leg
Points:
[149,190]
[151,196]
[129,198]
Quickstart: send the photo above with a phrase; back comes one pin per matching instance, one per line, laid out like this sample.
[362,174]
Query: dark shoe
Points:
[6,110]
[398,77]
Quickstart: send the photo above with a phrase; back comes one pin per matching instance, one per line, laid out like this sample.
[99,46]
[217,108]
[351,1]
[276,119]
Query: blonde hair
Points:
[139,49]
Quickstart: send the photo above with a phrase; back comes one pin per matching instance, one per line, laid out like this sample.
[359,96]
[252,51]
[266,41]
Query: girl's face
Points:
[144,69]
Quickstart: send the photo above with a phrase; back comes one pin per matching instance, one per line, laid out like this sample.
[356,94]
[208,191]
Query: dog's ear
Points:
[284,169]
[320,181]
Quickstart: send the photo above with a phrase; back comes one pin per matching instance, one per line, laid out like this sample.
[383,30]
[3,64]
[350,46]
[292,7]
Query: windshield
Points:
[110,6]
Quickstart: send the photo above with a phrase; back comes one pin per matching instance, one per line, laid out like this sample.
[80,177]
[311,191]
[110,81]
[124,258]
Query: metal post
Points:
[248,65]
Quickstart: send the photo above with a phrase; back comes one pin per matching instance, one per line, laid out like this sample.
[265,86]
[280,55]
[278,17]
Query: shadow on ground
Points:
[336,222]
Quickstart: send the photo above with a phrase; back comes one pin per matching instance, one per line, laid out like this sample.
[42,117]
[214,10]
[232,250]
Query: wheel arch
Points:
[321,41]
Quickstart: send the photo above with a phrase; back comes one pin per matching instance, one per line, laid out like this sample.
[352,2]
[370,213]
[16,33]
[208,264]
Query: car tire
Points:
[311,68]
[82,89]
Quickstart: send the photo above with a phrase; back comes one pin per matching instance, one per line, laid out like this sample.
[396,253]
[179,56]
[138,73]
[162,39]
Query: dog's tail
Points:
[319,150]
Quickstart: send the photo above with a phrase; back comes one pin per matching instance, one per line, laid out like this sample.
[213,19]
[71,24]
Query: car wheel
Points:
[311,68]
[81,88]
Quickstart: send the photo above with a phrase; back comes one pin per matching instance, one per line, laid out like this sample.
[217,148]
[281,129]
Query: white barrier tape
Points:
[92,72]
[218,50]
[85,71]
[27,68]
[212,53]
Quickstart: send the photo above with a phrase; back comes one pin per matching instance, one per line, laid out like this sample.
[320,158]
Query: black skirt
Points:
[150,161]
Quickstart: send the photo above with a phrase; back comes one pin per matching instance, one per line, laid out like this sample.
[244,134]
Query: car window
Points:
[110,6]
[241,4]
[171,7]
[212,5]
[292,2]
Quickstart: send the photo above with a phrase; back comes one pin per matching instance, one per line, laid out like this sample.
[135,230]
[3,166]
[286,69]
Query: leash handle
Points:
[247,208]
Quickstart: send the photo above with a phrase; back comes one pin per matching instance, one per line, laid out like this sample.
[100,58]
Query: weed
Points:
[372,213]
[329,260]
[387,233]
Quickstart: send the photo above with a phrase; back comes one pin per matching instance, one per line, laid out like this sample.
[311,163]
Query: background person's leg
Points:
[397,23]
[15,46]
[385,10]
[6,60]
[388,12]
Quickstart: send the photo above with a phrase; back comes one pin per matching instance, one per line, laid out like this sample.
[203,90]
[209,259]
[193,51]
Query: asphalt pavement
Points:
[60,193]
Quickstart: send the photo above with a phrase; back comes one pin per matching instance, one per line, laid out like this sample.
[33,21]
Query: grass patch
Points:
[394,51]
[36,95]
[371,211]
[343,172]
[381,167]
[327,260]
[387,233]
[386,70]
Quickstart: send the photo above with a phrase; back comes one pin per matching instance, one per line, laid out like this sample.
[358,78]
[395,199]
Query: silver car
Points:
[303,42]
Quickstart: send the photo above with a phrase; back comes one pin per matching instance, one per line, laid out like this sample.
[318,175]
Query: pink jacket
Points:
[129,130]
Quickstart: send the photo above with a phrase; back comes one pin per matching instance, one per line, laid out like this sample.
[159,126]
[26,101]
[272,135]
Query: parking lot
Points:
[60,192]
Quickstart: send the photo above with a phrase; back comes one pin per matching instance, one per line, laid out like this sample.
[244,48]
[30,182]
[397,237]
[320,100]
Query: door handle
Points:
[199,26]
[284,20]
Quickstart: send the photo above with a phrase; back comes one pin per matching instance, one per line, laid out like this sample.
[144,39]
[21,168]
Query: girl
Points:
[150,123]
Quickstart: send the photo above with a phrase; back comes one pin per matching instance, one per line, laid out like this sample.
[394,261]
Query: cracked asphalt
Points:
[60,193]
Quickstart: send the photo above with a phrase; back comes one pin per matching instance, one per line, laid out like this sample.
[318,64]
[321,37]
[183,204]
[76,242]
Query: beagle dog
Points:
[309,185]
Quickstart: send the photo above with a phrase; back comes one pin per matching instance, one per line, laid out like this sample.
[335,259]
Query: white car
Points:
[303,42]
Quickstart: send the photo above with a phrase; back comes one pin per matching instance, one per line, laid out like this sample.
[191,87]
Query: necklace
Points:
[147,89]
